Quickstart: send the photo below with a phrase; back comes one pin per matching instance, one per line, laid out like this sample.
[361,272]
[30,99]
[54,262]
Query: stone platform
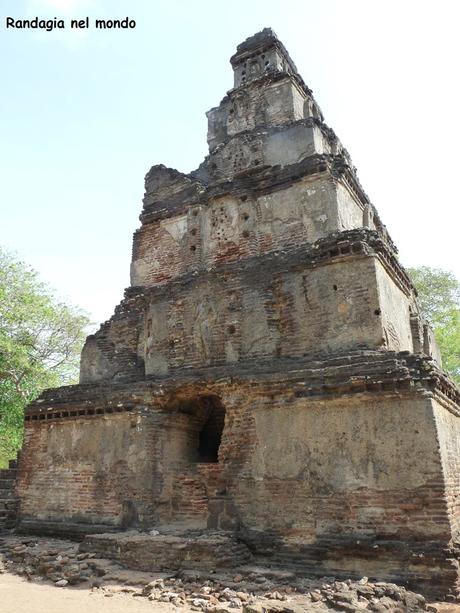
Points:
[164,552]
[417,566]
[246,589]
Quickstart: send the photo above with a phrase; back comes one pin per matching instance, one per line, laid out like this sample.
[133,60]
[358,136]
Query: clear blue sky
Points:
[83,116]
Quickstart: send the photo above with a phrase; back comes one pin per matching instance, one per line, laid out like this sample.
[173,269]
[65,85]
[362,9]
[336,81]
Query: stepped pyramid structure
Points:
[268,373]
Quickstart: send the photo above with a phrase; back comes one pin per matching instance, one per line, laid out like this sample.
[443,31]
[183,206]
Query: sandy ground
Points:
[17,595]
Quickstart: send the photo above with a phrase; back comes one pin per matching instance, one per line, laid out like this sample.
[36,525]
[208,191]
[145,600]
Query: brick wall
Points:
[87,470]
[364,465]
[448,427]
[314,300]
[227,229]
[358,467]
[263,313]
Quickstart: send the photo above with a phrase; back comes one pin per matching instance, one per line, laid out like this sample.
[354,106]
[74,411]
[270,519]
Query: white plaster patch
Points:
[176,228]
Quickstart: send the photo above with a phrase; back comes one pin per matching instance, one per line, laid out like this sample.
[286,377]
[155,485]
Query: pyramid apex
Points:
[260,54]
[265,36]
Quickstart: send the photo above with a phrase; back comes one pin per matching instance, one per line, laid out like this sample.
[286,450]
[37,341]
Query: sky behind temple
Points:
[84,115]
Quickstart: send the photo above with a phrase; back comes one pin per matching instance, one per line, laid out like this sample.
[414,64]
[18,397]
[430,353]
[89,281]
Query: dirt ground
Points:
[18,595]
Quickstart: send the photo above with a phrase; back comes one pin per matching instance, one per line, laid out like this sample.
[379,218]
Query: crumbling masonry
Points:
[268,373]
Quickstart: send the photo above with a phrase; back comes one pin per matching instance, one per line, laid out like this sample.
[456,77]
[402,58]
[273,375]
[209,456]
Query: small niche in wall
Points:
[208,419]
[210,435]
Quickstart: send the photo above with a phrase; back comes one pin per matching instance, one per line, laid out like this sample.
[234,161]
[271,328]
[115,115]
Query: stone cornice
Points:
[272,76]
[369,373]
[257,181]
[360,242]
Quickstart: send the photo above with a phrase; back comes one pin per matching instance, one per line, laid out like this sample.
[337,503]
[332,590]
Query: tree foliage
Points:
[40,344]
[439,300]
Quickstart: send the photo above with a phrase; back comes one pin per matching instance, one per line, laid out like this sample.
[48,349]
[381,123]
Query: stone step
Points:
[8,504]
[169,551]
[5,493]
[8,500]
[6,484]
[6,515]
[8,473]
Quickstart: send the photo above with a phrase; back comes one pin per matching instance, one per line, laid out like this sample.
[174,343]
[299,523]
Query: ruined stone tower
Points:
[268,371]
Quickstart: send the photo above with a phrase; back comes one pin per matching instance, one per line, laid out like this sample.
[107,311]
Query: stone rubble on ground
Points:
[251,590]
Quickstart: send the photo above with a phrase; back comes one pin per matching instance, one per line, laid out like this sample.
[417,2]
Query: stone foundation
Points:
[166,552]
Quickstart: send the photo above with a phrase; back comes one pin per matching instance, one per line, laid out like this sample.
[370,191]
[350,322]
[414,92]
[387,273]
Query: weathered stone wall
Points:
[262,313]
[350,210]
[87,470]
[98,471]
[227,228]
[264,103]
[111,353]
[395,302]
[448,426]
[340,468]
[275,147]
[264,308]
[109,462]
[313,300]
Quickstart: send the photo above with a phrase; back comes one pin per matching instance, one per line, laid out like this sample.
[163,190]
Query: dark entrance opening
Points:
[210,435]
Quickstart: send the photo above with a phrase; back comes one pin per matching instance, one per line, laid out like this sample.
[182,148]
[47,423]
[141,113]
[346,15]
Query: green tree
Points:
[439,300]
[40,344]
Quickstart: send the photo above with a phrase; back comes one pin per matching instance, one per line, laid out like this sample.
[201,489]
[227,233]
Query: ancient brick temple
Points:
[268,371]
